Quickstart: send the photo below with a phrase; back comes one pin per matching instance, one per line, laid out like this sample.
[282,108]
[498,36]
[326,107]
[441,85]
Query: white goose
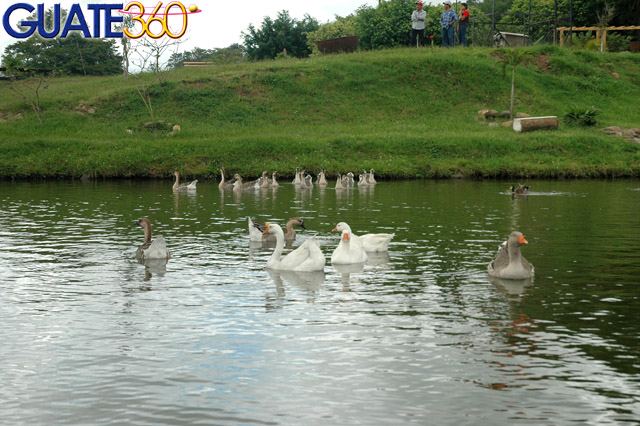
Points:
[509,263]
[156,249]
[256,230]
[349,248]
[185,186]
[274,182]
[308,257]
[376,242]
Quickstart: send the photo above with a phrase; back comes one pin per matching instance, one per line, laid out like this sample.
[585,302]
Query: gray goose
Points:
[509,263]
[224,184]
[256,230]
[191,186]
[156,249]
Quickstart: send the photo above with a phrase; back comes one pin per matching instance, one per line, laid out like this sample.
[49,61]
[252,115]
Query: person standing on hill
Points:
[447,20]
[418,18]
[462,24]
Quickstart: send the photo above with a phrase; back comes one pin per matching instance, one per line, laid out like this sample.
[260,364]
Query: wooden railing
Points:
[597,30]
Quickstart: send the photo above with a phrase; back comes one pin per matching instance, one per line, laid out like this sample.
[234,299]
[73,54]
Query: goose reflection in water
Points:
[310,282]
[378,258]
[153,267]
[513,290]
[346,270]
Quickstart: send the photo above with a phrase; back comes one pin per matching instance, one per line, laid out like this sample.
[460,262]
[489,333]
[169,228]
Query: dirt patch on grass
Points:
[542,62]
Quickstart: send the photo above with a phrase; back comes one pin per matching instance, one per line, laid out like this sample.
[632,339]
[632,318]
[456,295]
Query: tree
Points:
[274,36]
[387,25]
[511,58]
[604,18]
[29,91]
[125,41]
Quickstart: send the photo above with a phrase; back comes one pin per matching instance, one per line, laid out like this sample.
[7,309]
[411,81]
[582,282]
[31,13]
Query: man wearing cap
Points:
[447,19]
[418,18]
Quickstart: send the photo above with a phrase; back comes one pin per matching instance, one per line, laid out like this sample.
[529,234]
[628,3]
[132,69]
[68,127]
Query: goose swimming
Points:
[308,257]
[256,230]
[509,262]
[156,249]
[185,186]
[349,248]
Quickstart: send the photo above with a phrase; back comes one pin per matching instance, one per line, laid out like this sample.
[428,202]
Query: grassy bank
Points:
[404,112]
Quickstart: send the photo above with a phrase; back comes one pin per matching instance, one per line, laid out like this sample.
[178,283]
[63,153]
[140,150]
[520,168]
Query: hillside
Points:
[404,112]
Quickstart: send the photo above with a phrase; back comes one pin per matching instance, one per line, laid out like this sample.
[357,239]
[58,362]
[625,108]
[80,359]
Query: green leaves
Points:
[580,116]
[285,32]
[511,57]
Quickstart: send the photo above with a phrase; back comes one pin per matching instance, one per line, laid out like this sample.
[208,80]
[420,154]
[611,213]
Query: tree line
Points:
[385,25]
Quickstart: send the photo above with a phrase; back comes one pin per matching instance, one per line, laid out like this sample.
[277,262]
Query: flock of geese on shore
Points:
[352,249]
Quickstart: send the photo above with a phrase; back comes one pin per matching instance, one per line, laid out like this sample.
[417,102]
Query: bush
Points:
[579,116]
[617,42]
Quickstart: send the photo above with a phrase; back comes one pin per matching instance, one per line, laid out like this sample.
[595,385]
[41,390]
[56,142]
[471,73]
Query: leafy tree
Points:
[511,58]
[73,55]
[387,25]
[276,35]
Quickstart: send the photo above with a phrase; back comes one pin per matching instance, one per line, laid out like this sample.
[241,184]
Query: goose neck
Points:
[274,260]
[147,232]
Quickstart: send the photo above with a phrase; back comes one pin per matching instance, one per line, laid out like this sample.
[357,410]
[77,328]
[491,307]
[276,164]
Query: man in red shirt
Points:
[463,23]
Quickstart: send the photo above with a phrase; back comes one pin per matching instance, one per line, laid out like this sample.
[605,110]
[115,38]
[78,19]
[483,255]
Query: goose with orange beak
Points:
[509,263]
[349,248]
[306,258]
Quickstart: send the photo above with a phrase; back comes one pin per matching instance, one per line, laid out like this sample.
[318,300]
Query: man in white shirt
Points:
[418,19]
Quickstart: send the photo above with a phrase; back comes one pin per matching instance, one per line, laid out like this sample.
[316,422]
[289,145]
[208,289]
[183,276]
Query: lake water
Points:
[423,335]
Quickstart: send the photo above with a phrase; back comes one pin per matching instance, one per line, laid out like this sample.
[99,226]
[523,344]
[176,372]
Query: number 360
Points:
[162,19]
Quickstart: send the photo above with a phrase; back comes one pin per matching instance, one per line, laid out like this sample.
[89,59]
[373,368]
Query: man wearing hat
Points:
[447,19]
[418,18]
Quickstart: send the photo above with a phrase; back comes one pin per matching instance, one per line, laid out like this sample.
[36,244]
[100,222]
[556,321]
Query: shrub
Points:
[580,116]
[617,42]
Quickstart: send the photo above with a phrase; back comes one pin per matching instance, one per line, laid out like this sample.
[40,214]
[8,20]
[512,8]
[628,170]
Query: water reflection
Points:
[378,258]
[423,319]
[513,289]
[309,282]
[157,267]
[345,274]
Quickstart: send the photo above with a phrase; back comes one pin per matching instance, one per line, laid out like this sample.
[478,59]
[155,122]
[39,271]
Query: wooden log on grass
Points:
[535,123]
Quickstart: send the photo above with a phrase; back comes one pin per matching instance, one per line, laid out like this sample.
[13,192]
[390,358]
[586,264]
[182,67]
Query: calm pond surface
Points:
[423,335]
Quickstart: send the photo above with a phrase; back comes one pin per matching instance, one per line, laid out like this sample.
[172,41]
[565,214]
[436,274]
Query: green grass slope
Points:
[403,112]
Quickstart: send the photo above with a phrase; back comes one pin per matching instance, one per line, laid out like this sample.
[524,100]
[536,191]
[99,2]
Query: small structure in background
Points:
[503,39]
[338,45]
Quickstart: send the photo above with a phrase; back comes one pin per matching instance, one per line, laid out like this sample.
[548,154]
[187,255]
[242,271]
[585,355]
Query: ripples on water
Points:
[419,336]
